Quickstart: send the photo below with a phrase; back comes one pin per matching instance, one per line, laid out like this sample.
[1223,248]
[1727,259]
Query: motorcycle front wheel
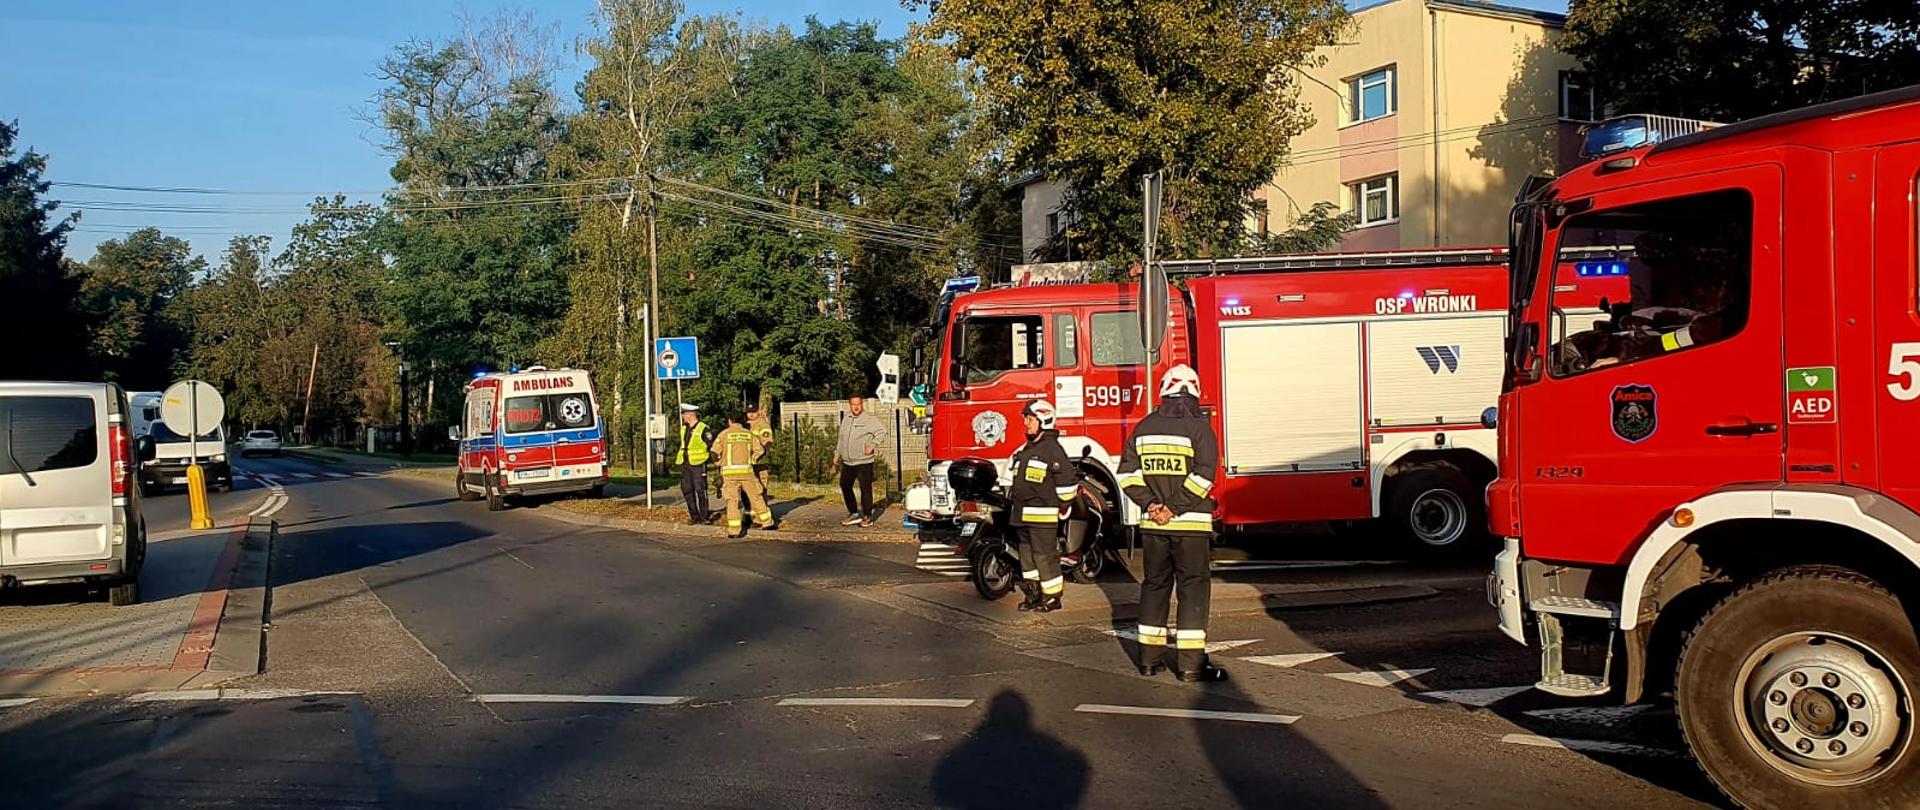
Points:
[993,572]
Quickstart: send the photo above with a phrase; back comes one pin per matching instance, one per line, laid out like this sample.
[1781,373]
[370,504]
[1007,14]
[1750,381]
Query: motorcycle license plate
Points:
[969,529]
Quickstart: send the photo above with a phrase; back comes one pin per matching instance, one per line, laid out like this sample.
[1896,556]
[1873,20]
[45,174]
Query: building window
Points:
[1577,99]
[1053,223]
[1261,224]
[1376,200]
[1373,95]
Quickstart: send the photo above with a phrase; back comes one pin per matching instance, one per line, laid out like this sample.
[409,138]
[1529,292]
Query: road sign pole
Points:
[646,394]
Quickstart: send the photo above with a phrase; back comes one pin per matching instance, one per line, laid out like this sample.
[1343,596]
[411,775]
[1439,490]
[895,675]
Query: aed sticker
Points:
[1636,412]
[1810,396]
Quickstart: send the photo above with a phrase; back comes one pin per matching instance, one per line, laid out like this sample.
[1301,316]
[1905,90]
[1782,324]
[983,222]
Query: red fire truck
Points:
[1713,491]
[529,432]
[1343,386]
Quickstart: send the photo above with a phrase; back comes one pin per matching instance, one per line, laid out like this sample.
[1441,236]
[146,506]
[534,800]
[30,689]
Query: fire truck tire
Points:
[1436,510]
[460,486]
[496,500]
[1793,693]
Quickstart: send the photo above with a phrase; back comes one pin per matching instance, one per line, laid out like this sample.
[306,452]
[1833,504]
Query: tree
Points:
[473,279]
[45,336]
[1099,95]
[1728,60]
[233,328]
[131,293]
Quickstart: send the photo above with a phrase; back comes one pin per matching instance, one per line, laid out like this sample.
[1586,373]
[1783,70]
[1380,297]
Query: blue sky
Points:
[251,95]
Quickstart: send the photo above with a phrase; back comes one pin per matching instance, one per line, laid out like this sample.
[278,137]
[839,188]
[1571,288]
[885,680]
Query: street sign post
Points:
[676,358]
[1153,281]
[199,408]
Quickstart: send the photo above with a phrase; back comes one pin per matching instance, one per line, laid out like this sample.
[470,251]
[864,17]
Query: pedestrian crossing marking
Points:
[1477,697]
[1289,659]
[1380,677]
[1188,714]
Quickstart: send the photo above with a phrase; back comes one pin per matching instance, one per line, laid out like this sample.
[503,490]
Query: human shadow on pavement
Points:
[1273,766]
[1007,762]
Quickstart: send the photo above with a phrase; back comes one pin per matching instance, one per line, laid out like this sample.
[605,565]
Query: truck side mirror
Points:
[144,448]
[453,433]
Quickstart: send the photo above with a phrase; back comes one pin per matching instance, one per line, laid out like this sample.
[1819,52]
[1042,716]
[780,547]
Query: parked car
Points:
[260,441]
[174,453]
[69,506]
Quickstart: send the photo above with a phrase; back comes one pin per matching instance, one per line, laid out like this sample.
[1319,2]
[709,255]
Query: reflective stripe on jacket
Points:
[696,443]
[1044,480]
[1170,460]
[736,452]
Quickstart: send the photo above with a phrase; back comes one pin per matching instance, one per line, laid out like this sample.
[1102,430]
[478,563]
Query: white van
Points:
[173,453]
[69,506]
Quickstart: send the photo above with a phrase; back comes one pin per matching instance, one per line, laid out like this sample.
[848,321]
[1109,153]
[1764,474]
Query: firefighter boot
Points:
[1031,588]
[1152,659]
[1203,672]
[1048,604]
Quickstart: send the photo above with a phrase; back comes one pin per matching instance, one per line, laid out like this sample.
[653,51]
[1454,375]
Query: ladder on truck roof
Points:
[1374,260]
[1284,262]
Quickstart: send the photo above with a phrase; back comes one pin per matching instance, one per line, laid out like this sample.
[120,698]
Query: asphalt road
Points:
[433,654]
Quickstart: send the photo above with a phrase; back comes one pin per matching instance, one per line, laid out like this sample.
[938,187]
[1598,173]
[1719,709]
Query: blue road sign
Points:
[676,358]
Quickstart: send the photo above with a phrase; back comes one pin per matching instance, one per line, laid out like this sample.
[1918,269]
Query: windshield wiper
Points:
[17,466]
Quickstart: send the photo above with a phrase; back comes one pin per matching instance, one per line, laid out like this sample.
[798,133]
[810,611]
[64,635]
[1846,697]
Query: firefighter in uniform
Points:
[762,442]
[1044,483]
[696,448]
[1166,468]
[737,451]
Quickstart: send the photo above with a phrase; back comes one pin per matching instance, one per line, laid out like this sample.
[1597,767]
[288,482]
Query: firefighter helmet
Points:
[1042,411]
[1180,379]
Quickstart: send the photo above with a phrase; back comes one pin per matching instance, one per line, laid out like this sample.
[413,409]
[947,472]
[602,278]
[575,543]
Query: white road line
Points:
[1477,697]
[1187,714]
[339,475]
[635,700]
[930,703]
[8,703]
[1590,746]
[227,694]
[1276,565]
[274,502]
[949,573]
[1379,677]
[1596,715]
[941,546]
[1289,659]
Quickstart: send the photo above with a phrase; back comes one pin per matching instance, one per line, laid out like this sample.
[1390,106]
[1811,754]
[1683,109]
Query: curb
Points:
[240,642]
[786,533]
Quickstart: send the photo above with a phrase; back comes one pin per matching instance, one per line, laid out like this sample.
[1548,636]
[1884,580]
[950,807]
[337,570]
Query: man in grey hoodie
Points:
[853,453]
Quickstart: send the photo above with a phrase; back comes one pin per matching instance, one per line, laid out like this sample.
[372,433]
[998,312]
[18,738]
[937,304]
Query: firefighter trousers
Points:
[732,487]
[693,487]
[1040,557]
[1176,562]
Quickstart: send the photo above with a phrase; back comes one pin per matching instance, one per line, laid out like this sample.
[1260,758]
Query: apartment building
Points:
[1427,117]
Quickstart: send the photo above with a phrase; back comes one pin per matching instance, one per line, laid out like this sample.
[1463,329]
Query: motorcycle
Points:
[986,538]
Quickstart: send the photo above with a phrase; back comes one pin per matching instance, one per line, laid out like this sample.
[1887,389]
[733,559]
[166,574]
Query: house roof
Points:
[1483,8]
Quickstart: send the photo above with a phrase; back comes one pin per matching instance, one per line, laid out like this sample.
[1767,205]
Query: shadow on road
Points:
[1007,763]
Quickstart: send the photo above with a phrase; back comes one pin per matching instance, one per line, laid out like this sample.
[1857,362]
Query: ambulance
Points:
[1710,495]
[1345,387]
[531,432]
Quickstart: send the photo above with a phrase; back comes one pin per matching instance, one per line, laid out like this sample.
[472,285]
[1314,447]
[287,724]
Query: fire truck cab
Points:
[530,432]
[1712,488]
[1344,387]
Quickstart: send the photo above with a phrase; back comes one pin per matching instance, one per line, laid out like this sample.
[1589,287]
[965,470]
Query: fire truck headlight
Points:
[1683,517]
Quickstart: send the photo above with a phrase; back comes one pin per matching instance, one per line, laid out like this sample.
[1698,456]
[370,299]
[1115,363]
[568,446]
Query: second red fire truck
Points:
[1713,491]
[1344,387]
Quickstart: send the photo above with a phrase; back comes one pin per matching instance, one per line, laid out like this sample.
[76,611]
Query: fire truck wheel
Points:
[460,486]
[496,501]
[1796,692]
[1436,510]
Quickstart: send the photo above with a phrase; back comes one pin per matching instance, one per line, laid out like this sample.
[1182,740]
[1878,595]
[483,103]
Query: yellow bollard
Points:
[197,497]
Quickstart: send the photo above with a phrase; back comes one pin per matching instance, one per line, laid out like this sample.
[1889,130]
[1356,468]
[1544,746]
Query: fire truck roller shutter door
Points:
[1292,398]
[1434,370]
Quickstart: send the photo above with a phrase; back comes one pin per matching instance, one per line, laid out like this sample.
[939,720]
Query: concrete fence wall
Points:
[904,451]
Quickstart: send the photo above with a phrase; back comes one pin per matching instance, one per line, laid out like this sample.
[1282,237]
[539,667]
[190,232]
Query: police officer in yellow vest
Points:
[737,450]
[696,444]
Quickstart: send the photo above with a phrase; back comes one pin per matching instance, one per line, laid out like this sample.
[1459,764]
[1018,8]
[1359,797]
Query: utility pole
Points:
[653,304]
[306,418]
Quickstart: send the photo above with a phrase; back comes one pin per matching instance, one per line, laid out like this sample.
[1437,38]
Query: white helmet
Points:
[1041,410]
[1180,379]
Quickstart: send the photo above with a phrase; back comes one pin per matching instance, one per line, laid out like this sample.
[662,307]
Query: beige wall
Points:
[1487,82]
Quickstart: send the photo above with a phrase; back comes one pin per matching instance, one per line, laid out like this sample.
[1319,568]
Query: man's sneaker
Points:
[866,523]
[852,520]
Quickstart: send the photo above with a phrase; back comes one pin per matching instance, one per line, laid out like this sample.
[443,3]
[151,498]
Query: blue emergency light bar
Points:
[1599,269]
[1631,131]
